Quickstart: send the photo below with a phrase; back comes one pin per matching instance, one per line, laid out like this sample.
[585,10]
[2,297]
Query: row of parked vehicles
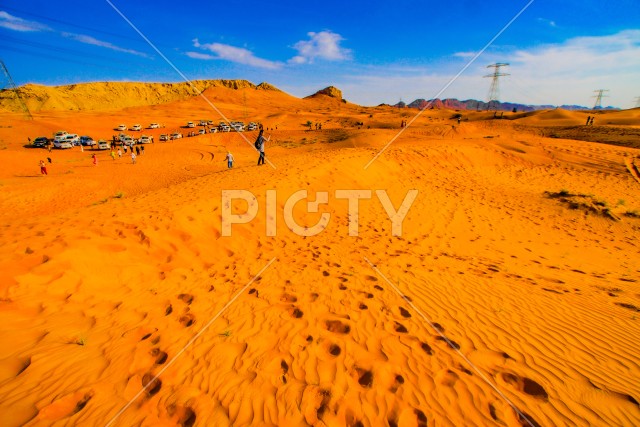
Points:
[221,127]
[63,139]
[136,127]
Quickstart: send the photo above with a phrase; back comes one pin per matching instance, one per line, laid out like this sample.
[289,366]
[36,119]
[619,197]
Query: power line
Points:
[494,90]
[599,94]
[14,89]
[70,24]
[57,58]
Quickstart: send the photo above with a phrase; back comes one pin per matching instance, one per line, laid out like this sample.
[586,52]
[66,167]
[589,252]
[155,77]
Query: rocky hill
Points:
[113,95]
[330,91]
[472,104]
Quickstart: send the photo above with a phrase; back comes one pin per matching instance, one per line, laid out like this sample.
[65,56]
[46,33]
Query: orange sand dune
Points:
[494,295]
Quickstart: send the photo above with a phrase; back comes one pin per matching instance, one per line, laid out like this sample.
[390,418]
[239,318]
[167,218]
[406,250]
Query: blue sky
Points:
[559,51]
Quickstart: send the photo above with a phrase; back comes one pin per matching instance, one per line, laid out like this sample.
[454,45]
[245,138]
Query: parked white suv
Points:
[121,127]
[144,139]
[127,140]
[136,127]
[60,135]
[72,138]
[154,126]
[190,125]
[62,144]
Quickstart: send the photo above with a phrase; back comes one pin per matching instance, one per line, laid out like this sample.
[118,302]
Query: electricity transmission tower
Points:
[494,90]
[599,94]
[8,84]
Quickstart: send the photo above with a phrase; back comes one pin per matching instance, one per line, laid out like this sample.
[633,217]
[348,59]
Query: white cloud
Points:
[322,45]
[466,55]
[548,22]
[18,24]
[234,54]
[556,74]
[95,42]
[198,55]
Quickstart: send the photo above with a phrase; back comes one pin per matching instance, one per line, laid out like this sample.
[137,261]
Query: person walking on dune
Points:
[113,154]
[43,168]
[229,160]
[588,120]
[119,153]
[259,144]
[133,157]
[95,159]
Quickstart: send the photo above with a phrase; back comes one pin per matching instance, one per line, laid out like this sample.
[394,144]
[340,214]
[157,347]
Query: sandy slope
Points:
[100,293]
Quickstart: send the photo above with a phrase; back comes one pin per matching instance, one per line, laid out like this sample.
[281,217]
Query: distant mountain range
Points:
[472,104]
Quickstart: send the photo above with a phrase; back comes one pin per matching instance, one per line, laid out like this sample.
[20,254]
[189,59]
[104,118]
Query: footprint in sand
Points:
[161,356]
[399,327]
[362,306]
[426,348]
[365,377]
[151,385]
[404,312]
[334,349]
[627,306]
[451,343]
[185,414]
[337,326]
[397,382]
[288,298]
[186,298]
[168,310]
[525,385]
[187,320]
[295,312]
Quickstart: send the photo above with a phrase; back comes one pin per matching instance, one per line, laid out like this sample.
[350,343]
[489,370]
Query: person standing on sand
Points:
[259,144]
[43,168]
[95,159]
[592,118]
[137,150]
[50,145]
[119,153]
[142,149]
[588,120]
[113,154]
[124,147]
[229,160]
[133,157]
